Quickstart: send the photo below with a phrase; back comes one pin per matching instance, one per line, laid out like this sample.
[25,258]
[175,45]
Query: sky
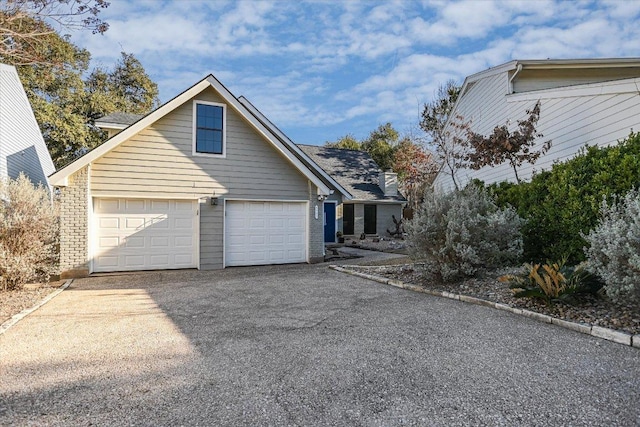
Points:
[323,69]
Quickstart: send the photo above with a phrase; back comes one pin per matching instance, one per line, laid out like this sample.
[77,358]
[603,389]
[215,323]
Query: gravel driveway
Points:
[300,345]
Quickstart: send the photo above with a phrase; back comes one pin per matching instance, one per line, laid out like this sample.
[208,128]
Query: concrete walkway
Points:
[300,345]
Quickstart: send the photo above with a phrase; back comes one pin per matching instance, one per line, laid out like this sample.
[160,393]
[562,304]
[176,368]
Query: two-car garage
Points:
[152,234]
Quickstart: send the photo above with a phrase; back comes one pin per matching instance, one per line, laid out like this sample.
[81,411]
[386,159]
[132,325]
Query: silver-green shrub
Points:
[28,233]
[455,234]
[614,247]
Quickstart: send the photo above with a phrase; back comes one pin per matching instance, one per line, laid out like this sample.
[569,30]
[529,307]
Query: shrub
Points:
[28,233]
[457,233]
[561,204]
[552,281]
[614,251]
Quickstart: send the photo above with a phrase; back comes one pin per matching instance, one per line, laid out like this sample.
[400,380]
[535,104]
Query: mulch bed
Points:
[598,311]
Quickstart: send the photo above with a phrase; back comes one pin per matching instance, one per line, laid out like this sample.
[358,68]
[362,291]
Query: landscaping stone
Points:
[477,301]
[635,341]
[578,327]
[611,335]
[537,316]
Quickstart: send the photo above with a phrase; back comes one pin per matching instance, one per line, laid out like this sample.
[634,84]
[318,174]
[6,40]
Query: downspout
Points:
[518,69]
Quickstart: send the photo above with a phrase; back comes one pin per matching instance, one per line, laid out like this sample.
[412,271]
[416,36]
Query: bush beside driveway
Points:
[300,345]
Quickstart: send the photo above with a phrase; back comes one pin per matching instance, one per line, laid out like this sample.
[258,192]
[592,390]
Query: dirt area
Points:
[592,310]
[13,302]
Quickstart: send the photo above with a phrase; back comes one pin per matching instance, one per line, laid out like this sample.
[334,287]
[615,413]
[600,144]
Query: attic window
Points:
[209,129]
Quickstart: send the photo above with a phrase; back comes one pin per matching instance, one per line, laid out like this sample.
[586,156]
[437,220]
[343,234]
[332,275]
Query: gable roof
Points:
[61,176]
[355,170]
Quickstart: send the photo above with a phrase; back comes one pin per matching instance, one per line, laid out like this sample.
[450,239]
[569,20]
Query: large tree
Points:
[347,142]
[27,25]
[381,144]
[435,118]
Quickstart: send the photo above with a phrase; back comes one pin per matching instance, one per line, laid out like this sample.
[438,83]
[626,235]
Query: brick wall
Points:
[73,226]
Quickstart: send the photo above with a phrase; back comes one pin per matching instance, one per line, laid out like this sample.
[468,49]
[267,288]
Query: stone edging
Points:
[596,331]
[24,313]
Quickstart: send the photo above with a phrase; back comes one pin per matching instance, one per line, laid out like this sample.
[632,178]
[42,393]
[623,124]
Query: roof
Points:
[354,170]
[118,120]
[286,148]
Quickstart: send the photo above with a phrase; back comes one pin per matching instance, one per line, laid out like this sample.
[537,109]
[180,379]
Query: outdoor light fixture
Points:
[322,198]
[214,199]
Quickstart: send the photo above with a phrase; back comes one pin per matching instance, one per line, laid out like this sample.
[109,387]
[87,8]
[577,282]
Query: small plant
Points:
[552,281]
[614,247]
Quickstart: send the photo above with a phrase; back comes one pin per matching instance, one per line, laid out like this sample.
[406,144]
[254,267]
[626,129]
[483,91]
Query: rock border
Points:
[24,313]
[584,328]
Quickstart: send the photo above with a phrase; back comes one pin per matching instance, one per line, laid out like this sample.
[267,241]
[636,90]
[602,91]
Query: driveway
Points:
[300,345]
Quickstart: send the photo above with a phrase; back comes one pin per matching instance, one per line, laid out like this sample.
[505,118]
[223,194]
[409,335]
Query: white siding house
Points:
[592,101]
[22,148]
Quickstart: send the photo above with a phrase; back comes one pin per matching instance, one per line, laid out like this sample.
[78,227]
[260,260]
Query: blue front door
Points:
[330,222]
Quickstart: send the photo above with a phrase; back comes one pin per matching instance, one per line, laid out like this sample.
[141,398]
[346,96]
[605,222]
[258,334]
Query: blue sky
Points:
[322,69]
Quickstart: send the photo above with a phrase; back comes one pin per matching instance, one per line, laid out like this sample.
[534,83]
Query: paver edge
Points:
[586,329]
[24,313]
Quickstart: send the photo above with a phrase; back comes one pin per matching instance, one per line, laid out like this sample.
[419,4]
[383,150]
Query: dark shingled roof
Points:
[120,118]
[354,170]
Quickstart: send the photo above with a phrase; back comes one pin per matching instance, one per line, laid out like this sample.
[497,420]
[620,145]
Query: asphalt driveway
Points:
[300,345]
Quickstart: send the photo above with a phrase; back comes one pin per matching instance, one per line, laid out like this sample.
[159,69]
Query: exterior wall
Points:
[595,114]
[358,219]
[22,148]
[158,162]
[384,221]
[74,234]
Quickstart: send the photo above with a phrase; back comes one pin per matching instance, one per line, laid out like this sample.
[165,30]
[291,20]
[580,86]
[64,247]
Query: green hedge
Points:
[562,203]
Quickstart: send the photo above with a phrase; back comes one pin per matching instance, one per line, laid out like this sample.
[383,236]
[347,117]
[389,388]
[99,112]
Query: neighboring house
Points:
[583,101]
[375,201]
[22,148]
[205,181]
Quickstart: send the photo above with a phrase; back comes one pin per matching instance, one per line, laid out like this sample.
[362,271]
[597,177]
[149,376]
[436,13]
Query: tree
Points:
[416,169]
[502,145]
[381,144]
[435,117]
[26,26]
[347,142]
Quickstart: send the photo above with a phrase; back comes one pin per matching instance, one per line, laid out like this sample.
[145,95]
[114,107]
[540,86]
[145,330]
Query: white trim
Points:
[376,202]
[335,208]
[90,226]
[194,128]
[137,195]
[110,126]
[590,89]
[242,199]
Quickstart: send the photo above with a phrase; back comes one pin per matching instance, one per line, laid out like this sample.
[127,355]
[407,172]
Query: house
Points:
[205,181]
[375,197]
[583,101]
[22,148]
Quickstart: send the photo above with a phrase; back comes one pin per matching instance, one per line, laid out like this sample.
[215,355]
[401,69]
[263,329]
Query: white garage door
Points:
[133,234]
[258,233]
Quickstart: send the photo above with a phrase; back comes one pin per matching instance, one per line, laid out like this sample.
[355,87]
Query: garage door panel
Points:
[259,233]
[144,234]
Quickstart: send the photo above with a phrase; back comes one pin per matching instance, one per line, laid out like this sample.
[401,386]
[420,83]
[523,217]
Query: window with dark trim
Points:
[370,217]
[347,219]
[209,129]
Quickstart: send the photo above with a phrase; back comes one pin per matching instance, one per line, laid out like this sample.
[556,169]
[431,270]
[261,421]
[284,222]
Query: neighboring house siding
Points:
[158,162]
[22,148]
[595,114]
[548,79]
[74,200]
